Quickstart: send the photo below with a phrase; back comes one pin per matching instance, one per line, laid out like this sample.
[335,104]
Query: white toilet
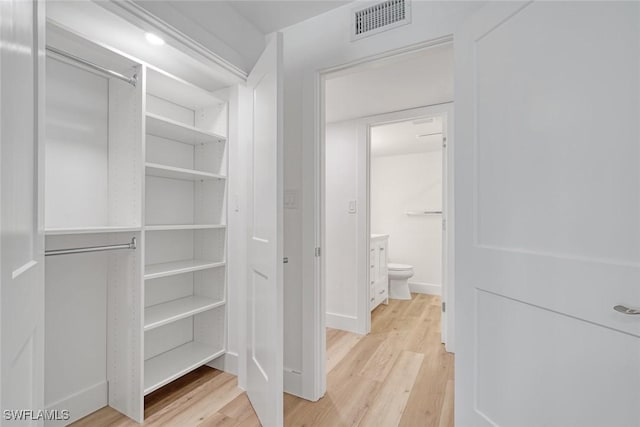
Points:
[399,275]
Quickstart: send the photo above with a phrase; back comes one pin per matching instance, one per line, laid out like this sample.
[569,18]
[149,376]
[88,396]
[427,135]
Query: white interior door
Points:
[264,287]
[548,215]
[21,250]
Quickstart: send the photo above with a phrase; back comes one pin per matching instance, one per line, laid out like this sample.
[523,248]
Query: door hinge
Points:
[317,251]
[444,142]
[285,260]
[444,224]
[444,306]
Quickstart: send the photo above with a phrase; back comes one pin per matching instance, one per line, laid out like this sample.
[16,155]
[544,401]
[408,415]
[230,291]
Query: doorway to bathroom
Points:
[408,206]
[387,204]
[385,195]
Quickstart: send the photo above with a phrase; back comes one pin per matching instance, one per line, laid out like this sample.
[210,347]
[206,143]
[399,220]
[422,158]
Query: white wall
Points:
[341,184]
[410,182]
[311,46]
[409,80]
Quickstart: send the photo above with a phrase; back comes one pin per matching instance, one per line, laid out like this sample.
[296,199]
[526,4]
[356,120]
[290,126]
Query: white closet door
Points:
[21,266]
[548,215]
[264,287]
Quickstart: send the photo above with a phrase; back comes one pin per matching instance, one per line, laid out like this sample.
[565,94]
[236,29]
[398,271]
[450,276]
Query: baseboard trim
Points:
[342,322]
[292,382]
[425,288]
[228,362]
[80,404]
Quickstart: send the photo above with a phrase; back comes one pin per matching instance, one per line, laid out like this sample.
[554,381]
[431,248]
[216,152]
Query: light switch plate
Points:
[291,199]
[353,206]
[236,202]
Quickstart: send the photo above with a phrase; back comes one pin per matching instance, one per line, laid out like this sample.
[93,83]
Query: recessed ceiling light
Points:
[153,39]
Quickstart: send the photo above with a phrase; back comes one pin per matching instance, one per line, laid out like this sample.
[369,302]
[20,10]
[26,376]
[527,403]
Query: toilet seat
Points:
[399,267]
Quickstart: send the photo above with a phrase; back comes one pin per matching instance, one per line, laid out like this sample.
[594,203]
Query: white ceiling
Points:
[269,16]
[415,80]
[407,137]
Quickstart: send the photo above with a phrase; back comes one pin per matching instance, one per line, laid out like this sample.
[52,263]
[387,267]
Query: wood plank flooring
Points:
[399,375]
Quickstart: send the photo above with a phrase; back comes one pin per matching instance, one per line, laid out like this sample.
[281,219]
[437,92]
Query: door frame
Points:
[446,111]
[318,316]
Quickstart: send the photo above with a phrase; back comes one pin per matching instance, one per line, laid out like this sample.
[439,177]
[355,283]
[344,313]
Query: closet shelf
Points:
[162,314]
[171,129]
[166,367]
[154,271]
[90,230]
[178,91]
[162,171]
[170,227]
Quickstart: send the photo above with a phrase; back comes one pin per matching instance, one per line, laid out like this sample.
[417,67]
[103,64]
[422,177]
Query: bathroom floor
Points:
[399,375]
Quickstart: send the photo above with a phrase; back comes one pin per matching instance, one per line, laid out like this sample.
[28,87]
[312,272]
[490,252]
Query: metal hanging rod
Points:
[131,80]
[428,134]
[414,213]
[130,245]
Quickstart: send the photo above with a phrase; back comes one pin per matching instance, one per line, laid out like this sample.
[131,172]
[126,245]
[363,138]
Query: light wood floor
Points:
[399,375]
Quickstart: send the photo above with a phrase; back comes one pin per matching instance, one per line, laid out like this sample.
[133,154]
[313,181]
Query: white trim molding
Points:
[425,288]
[81,403]
[343,322]
[136,14]
[228,362]
[293,381]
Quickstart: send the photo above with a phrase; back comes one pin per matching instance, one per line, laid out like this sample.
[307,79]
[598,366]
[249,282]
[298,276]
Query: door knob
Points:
[626,310]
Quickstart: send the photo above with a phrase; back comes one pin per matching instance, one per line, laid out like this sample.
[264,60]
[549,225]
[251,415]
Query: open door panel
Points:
[264,284]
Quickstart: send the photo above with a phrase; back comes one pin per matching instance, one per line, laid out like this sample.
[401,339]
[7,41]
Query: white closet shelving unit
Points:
[145,159]
[185,231]
[94,144]
[94,176]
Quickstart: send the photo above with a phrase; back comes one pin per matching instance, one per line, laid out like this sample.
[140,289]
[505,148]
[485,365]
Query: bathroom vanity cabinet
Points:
[378,272]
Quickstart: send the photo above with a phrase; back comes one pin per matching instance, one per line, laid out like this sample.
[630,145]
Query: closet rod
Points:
[423,212]
[131,80]
[130,245]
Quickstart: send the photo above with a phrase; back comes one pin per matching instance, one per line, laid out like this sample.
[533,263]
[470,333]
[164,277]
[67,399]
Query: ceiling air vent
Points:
[380,17]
